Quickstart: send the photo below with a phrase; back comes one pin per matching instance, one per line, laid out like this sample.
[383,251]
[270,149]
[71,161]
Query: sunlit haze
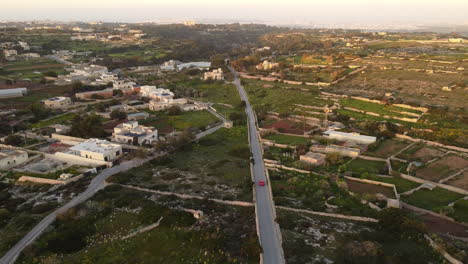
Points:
[305,12]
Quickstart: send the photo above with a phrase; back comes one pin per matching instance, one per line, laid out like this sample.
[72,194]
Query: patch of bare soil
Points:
[426,154]
[461,181]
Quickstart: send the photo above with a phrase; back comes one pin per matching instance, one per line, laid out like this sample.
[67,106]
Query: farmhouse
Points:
[313,158]
[214,75]
[344,151]
[57,102]
[157,94]
[97,149]
[131,132]
[10,158]
[169,65]
[350,137]
[11,93]
[266,65]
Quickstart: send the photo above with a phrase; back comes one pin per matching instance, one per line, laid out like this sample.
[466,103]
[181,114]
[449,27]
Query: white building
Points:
[169,65]
[131,132]
[266,65]
[312,158]
[57,102]
[10,53]
[30,56]
[10,158]
[157,94]
[214,75]
[97,149]
[123,85]
[23,45]
[350,137]
[11,93]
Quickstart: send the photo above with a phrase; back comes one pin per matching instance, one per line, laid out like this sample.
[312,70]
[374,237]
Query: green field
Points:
[60,119]
[310,191]
[217,166]
[461,211]
[281,97]
[167,123]
[389,110]
[432,200]
[287,139]
[362,166]
[402,185]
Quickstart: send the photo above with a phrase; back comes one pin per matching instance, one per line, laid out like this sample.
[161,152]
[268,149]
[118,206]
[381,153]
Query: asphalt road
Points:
[270,235]
[96,184]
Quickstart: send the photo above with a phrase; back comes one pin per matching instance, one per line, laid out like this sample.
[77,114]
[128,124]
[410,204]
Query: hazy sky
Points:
[287,11]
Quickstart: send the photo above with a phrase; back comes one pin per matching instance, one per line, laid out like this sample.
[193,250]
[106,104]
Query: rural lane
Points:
[270,235]
[96,184]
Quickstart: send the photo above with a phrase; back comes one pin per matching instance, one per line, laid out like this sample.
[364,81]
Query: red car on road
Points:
[261,183]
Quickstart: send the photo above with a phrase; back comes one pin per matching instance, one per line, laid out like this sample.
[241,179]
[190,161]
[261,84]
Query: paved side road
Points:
[270,235]
[96,184]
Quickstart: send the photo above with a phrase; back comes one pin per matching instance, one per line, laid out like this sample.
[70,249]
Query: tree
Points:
[174,110]
[118,93]
[117,114]
[87,127]
[14,140]
[50,74]
[333,158]
[39,111]
[396,222]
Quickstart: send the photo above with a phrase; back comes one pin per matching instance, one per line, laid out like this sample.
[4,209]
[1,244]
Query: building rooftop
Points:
[95,145]
[314,155]
[4,153]
[349,135]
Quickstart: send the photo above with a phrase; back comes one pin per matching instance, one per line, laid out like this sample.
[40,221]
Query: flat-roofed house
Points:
[97,149]
[350,137]
[216,74]
[57,102]
[131,132]
[313,158]
[10,158]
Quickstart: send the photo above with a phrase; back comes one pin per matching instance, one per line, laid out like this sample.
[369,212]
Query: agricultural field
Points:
[63,119]
[109,228]
[287,139]
[315,239]
[434,200]
[419,152]
[460,181]
[367,188]
[310,191]
[167,123]
[279,97]
[402,185]
[30,69]
[360,166]
[442,168]
[386,148]
[411,86]
[217,166]
[460,212]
